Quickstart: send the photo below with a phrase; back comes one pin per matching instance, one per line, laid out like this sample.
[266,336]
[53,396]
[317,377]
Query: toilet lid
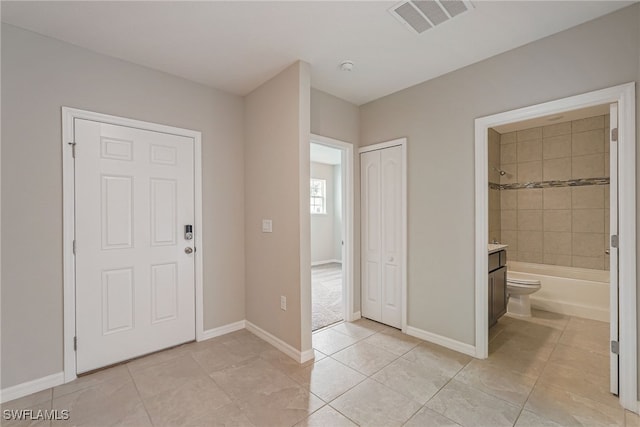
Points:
[526,282]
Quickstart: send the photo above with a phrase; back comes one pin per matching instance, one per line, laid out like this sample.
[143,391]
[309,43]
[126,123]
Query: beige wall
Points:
[39,75]
[336,118]
[564,225]
[438,118]
[276,152]
[323,225]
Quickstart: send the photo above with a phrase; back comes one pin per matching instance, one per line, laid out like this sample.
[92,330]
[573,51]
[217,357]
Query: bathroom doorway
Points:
[545,185]
[331,204]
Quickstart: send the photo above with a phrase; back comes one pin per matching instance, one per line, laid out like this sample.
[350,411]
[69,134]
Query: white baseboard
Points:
[443,341]
[328,261]
[356,315]
[222,330]
[293,353]
[29,387]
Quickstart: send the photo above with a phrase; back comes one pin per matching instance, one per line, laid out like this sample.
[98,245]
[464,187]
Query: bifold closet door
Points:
[381,246]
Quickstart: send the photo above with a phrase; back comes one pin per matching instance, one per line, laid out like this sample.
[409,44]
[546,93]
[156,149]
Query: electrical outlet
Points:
[283,303]
[267,226]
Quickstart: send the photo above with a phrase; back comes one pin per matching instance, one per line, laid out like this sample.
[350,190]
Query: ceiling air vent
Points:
[420,15]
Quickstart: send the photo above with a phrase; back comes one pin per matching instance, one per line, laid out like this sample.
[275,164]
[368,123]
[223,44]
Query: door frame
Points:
[402,142]
[68,210]
[347,214]
[624,95]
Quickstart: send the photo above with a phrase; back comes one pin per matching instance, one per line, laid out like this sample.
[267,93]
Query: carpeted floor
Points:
[326,295]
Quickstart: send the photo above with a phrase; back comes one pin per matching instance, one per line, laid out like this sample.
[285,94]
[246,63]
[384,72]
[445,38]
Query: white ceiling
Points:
[323,154]
[236,45]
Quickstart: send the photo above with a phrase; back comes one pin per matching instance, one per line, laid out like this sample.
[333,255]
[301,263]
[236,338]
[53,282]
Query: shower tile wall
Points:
[561,226]
[494,194]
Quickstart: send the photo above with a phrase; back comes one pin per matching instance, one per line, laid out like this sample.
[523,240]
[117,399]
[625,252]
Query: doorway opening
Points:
[331,210]
[555,197]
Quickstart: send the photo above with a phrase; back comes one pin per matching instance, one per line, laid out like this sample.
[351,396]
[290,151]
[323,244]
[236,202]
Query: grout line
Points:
[144,405]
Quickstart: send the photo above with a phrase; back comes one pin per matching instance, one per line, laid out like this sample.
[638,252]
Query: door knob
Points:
[188,250]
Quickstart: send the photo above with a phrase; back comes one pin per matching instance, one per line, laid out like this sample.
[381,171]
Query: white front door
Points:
[135,289]
[381,204]
[613,231]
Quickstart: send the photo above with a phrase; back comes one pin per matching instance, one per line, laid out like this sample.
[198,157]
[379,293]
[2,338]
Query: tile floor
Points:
[549,371]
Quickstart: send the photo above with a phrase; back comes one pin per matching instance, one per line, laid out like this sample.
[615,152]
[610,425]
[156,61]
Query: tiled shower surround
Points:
[568,222]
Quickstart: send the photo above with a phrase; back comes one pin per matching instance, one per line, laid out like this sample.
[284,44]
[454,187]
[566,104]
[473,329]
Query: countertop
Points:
[496,247]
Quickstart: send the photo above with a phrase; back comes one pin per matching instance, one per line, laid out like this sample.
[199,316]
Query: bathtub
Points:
[574,291]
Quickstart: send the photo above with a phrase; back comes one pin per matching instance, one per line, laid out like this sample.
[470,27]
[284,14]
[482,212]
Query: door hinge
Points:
[614,134]
[73,149]
[74,247]
[75,343]
[614,241]
[615,347]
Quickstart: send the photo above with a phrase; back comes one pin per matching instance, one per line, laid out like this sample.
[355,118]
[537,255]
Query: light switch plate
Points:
[267,226]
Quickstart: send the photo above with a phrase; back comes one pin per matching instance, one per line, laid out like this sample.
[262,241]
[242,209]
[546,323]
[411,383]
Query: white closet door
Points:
[134,279]
[371,237]
[381,231]
[391,230]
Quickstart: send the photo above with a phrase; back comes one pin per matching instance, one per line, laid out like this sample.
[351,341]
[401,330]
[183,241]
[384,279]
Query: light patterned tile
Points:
[99,405]
[529,419]
[328,341]
[189,404]
[567,409]
[410,379]
[29,400]
[471,407]
[371,403]
[425,417]
[326,417]
[265,394]
[365,358]
[327,378]
[111,377]
[501,383]
[433,356]
[168,375]
[581,372]
[631,419]
[354,330]
[393,341]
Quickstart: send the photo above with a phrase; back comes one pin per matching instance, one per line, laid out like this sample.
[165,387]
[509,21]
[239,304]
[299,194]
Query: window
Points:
[318,196]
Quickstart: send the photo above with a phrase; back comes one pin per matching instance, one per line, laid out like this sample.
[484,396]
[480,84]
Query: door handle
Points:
[188,250]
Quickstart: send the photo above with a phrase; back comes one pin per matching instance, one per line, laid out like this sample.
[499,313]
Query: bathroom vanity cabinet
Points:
[497,286]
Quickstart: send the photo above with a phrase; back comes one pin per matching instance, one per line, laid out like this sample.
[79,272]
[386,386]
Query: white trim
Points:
[402,142]
[348,218]
[624,95]
[68,203]
[221,330]
[356,316]
[327,261]
[449,343]
[24,389]
[297,355]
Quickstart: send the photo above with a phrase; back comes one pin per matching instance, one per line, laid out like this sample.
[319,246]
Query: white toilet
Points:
[518,291]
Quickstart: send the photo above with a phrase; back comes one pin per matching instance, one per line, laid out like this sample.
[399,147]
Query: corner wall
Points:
[39,76]
[276,181]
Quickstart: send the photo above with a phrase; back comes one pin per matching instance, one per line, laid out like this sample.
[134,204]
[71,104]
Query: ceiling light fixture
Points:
[346,66]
